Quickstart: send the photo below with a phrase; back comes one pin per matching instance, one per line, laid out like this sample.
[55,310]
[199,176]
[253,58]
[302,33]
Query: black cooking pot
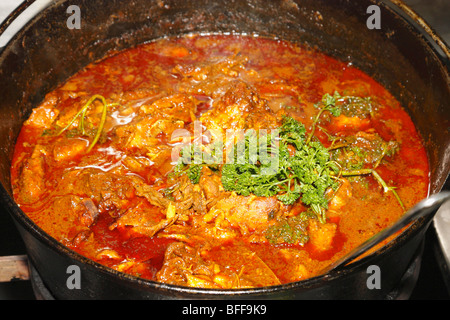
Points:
[404,55]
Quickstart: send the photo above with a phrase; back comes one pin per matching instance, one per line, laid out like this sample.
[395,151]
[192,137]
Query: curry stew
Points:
[127,163]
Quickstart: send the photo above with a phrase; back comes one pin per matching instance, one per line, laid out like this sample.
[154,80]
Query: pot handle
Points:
[13,16]
[444,52]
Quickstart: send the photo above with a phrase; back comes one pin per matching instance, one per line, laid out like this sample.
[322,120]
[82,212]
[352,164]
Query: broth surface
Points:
[98,165]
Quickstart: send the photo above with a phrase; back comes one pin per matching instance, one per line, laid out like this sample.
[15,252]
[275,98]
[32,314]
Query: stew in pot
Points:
[218,161]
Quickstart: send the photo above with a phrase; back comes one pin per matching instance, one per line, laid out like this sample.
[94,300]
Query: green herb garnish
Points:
[288,164]
[291,230]
[82,113]
[192,159]
[303,170]
[328,103]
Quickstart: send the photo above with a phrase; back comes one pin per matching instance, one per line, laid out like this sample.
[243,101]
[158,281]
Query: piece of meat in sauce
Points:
[76,201]
[143,219]
[31,183]
[248,214]
[321,235]
[239,107]
[210,78]
[44,115]
[67,218]
[186,196]
[162,117]
[214,267]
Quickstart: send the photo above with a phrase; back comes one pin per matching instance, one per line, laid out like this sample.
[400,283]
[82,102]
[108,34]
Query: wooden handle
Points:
[14,268]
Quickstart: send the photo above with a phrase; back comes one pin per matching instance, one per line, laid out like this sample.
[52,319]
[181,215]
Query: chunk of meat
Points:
[109,191]
[31,183]
[212,188]
[189,196]
[186,196]
[321,235]
[215,268]
[68,149]
[153,196]
[239,108]
[251,270]
[44,115]
[343,122]
[340,198]
[67,218]
[206,75]
[143,219]
[202,196]
[160,118]
[178,106]
[90,214]
[143,133]
[249,213]
[181,260]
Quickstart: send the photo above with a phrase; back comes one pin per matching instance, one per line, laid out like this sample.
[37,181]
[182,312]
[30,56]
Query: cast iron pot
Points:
[405,55]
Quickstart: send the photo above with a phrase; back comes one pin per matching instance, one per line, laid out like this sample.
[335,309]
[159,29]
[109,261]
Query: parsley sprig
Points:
[303,170]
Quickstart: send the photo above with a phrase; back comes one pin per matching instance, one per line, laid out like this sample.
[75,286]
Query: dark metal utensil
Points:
[422,209]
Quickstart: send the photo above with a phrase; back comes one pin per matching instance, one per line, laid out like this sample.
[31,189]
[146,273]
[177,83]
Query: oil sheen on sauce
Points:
[90,203]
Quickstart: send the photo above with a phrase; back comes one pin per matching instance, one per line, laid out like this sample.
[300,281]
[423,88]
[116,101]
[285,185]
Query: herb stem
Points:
[386,188]
[380,180]
[359,172]
[100,127]
[313,129]
[83,112]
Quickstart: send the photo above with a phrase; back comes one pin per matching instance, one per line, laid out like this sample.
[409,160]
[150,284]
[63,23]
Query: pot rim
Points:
[412,19]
